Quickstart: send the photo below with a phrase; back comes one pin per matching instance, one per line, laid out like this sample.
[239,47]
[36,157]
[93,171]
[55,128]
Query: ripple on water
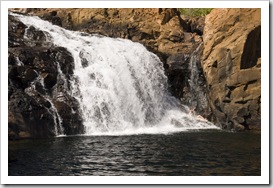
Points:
[186,153]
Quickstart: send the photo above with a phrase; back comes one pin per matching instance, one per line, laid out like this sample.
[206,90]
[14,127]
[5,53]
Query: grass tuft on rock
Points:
[192,12]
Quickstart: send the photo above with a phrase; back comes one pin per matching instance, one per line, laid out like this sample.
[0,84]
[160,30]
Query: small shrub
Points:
[195,11]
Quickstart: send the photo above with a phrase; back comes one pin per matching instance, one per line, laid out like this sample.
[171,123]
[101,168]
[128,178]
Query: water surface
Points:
[198,153]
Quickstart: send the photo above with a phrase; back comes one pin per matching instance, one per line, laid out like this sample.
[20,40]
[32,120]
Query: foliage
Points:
[195,11]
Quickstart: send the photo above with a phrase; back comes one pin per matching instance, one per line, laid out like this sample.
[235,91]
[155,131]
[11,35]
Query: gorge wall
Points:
[232,66]
[219,79]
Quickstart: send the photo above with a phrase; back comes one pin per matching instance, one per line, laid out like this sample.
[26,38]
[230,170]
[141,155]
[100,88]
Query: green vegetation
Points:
[195,11]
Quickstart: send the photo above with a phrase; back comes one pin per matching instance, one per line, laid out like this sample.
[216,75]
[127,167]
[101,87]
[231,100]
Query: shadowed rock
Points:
[35,85]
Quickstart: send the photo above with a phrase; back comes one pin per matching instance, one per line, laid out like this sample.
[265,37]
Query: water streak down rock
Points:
[40,104]
[187,81]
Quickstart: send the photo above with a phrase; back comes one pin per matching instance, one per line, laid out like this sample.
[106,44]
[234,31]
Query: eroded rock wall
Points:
[39,98]
[232,66]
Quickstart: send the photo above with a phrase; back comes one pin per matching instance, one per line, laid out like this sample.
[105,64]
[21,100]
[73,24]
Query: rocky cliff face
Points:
[163,31]
[232,66]
[39,101]
[219,79]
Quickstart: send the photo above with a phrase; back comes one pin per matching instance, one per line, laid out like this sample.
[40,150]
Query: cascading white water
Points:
[121,87]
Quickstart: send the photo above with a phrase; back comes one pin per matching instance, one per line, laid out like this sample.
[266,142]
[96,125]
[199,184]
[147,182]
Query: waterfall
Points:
[198,98]
[121,87]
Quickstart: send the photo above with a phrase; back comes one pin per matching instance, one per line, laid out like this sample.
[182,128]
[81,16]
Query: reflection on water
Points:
[210,152]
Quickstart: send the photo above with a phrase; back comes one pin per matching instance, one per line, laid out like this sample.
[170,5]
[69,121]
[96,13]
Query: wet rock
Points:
[34,81]
[26,117]
[65,60]
[27,76]
[12,60]
[16,123]
[178,74]
[53,18]
[70,120]
[197,25]
[31,74]
[188,83]
[33,34]
[17,31]
[50,80]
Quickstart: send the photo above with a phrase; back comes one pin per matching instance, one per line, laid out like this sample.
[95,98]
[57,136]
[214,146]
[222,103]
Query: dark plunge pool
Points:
[198,153]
